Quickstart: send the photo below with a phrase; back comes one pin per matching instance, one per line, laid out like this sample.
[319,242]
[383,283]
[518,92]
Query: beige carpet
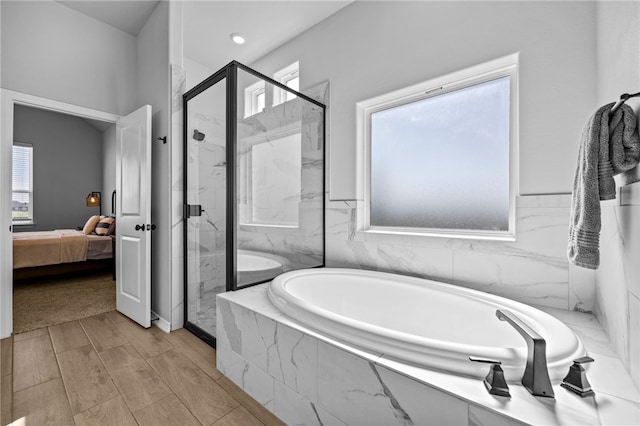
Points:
[45,302]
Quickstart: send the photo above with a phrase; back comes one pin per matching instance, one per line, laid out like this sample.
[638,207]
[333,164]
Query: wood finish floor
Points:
[107,370]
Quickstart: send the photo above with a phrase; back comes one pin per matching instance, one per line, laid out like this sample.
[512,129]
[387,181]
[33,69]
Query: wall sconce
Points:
[93,200]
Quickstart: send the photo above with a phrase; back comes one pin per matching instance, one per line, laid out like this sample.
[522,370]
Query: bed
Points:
[59,246]
[44,253]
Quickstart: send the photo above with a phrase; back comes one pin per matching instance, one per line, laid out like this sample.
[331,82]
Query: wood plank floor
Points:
[107,370]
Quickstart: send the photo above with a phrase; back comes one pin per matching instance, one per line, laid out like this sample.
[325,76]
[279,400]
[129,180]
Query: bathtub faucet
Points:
[536,376]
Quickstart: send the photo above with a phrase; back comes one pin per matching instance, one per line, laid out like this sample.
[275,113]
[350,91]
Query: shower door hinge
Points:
[193,210]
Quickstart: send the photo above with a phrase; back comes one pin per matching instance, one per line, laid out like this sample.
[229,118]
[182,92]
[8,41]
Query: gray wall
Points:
[153,89]
[67,165]
[55,52]
[371,48]
[108,166]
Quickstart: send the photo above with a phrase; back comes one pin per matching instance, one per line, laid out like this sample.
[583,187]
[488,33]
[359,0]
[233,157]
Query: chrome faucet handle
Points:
[495,382]
[576,381]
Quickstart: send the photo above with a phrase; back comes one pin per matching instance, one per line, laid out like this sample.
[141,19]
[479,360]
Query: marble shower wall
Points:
[301,245]
[533,269]
[618,278]
[178,88]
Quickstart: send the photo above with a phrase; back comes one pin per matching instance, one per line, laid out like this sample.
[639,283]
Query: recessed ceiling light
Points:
[237,38]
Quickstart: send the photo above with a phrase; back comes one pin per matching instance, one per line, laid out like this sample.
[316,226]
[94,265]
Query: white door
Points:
[133,216]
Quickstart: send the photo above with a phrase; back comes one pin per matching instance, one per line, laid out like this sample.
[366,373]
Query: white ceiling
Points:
[265,24]
[128,16]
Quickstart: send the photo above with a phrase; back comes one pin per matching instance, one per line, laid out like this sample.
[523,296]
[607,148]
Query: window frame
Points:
[502,67]
[251,94]
[31,220]
[284,76]
[246,218]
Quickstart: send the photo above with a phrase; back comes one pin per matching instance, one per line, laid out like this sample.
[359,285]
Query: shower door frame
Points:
[230,73]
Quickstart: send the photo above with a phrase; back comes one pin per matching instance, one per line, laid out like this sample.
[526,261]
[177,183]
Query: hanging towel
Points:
[609,145]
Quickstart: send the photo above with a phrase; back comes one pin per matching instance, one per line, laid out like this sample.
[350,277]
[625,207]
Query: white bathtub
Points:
[423,322]
[255,266]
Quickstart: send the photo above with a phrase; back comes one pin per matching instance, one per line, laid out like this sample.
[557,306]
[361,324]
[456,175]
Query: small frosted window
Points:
[443,161]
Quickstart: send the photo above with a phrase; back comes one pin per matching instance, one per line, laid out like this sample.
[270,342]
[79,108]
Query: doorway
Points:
[63,169]
[11,100]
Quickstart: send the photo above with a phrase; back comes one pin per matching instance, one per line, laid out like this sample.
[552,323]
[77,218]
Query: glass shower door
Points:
[205,205]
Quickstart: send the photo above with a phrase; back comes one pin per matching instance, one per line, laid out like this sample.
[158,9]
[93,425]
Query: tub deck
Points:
[302,376]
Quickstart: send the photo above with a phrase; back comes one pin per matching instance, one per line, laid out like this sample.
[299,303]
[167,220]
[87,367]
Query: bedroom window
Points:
[22,184]
[440,157]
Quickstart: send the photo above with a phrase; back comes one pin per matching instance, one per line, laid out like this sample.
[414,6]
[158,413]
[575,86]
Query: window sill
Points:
[468,235]
[23,225]
[266,225]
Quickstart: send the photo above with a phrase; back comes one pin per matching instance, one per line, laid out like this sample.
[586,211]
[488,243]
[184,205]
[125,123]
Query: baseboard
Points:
[161,323]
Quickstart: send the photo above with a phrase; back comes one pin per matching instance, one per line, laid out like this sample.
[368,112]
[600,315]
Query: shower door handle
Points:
[193,210]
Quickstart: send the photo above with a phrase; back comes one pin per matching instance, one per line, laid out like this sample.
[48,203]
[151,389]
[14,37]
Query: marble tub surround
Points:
[618,277]
[307,378]
[533,269]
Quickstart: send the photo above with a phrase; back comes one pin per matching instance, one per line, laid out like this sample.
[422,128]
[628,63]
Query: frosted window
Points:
[22,184]
[443,161]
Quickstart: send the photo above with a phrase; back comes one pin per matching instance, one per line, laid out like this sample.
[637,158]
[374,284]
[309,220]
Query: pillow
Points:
[91,224]
[104,225]
[112,228]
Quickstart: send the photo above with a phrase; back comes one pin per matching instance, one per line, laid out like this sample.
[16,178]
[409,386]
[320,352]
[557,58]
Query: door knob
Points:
[151,227]
[140,227]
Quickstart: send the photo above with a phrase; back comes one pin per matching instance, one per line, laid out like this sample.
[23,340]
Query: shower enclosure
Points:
[253,185]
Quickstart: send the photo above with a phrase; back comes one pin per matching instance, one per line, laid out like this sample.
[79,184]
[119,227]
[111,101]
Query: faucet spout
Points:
[536,376]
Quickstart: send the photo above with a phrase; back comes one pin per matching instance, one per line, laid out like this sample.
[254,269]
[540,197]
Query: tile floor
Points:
[107,370]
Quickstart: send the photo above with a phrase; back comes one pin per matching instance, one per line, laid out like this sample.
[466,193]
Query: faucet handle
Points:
[495,382]
[576,380]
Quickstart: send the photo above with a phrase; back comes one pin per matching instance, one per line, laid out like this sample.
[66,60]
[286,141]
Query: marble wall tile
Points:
[422,404]
[293,360]
[603,378]
[543,201]
[594,340]
[582,289]
[425,262]
[634,338]
[480,417]
[178,78]
[358,392]
[541,232]
[245,332]
[611,287]
[292,408]
[616,411]
[177,293]
[630,194]
[347,387]
[533,269]
[628,220]
[526,279]
[253,380]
